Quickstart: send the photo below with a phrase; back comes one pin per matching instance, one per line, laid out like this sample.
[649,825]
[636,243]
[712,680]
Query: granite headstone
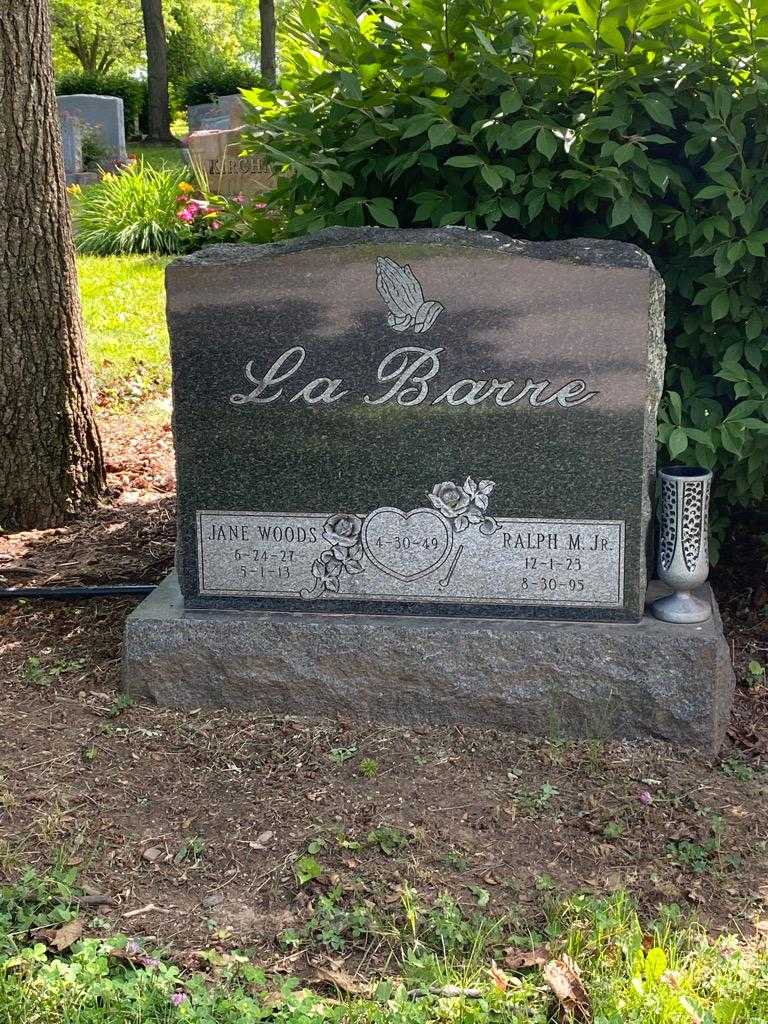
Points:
[421,422]
[217,156]
[196,114]
[105,114]
[71,143]
[404,458]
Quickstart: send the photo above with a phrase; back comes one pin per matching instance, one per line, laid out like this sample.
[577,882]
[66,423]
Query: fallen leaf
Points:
[564,979]
[522,959]
[499,978]
[333,975]
[62,938]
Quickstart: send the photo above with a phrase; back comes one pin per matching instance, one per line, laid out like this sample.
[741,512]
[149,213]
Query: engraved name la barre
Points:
[406,374]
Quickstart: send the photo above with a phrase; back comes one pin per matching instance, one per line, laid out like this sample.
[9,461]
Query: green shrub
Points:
[216,78]
[643,122]
[132,91]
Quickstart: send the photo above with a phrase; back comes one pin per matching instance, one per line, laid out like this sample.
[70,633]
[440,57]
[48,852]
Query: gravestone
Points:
[216,154]
[415,483]
[196,114]
[72,152]
[105,114]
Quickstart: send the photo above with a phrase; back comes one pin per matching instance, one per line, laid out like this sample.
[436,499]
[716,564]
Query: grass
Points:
[159,157]
[446,966]
[123,301]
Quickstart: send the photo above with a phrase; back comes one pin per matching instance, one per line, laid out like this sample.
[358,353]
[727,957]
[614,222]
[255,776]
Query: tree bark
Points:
[51,462]
[159,115]
[268,56]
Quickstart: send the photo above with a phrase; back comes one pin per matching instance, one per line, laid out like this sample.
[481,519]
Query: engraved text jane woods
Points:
[405,377]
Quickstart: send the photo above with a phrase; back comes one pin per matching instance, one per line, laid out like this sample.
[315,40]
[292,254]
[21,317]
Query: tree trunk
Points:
[157,71]
[268,55]
[50,454]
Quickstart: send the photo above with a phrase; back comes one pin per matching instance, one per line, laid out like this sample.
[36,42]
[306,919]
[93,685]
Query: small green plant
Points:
[43,673]
[454,859]
[545,883]
[613,829]
[702,855]
[36,901]
[388,839]
[333,925]
[340,755]
[120,704]
[539,800]
[737,769]
[190,851]
[755,674]
[307,869]
[369,768]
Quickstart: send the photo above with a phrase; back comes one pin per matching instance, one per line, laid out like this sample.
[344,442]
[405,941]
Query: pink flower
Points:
[187,214]
[215,224]
[240,199]
[177,998]
[645,797]
[259,206]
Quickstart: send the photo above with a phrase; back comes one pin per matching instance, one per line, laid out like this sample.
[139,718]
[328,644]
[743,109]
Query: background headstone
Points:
[71,144]
[105,113]
[196,113]
[466,424]
[216,155]
[226,112]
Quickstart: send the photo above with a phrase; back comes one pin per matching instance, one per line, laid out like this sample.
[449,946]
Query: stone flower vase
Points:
[683,555]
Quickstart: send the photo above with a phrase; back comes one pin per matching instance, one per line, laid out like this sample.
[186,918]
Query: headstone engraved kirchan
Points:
[428,435]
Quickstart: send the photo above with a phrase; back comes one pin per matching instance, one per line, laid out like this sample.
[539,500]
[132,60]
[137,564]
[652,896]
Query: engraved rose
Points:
[449,499]
[342,529]
[466,505]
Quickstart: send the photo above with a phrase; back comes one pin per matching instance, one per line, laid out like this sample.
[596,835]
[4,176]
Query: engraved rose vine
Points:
[461,506]
[465,505]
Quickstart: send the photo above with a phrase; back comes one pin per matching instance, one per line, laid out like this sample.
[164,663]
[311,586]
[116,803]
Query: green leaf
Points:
[485,42]
[382,213]
[720,305]
[491,177]
[621,212]
[641,214]
[516,135]
[676,407]
[710,192]
[417,124]
[464,161]
[306,869]
[657,108]
[350,85]
[624,153]
[678,442]
[510,101]
[546,143]
[441,134]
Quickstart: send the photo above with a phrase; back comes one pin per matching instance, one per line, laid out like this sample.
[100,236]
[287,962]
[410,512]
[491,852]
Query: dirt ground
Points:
[191,827]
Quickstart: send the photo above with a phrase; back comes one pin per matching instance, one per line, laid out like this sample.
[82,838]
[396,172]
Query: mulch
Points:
[190,824]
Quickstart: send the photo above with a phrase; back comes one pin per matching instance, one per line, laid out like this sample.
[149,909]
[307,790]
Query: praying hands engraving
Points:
[404,297]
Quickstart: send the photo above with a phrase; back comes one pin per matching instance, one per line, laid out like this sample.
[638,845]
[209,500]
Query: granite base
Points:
[602,680]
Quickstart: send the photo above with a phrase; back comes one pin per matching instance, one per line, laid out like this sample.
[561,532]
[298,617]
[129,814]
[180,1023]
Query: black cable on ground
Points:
[71,593]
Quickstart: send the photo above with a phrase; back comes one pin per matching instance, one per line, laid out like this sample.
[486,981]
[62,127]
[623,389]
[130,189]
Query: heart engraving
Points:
[406,545]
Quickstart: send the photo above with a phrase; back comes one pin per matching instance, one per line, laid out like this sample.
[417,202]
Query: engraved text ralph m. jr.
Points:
[404,376]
